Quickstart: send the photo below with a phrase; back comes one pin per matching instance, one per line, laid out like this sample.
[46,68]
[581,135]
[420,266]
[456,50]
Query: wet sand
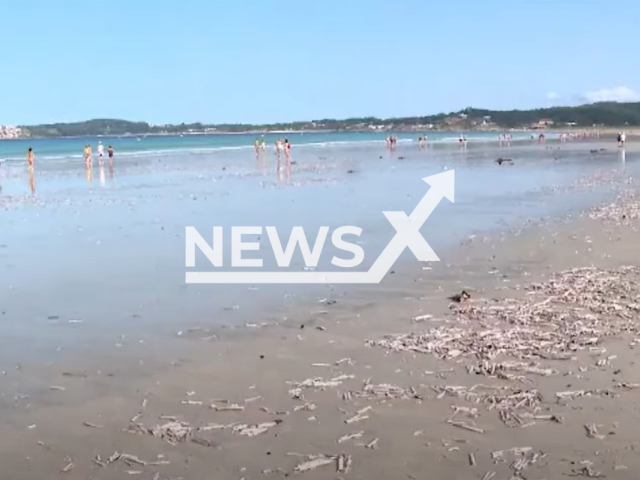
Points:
[266,365]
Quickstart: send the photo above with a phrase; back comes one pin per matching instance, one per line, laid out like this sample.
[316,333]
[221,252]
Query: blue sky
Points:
[279,60]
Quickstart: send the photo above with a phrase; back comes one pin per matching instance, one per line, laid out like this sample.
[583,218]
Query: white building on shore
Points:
[7,131]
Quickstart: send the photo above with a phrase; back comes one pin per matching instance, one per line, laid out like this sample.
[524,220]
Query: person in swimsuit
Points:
[110,155]
[287,148]
[30,157]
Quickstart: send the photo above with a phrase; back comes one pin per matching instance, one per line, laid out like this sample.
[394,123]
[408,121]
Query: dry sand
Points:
[530,378]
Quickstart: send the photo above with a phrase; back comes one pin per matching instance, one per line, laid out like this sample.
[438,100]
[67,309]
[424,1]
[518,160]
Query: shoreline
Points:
[410,425]
[434,144]
[631,131]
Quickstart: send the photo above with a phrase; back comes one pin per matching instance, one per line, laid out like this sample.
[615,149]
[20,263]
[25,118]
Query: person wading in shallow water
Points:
[100,152]
[287,149]
[30,165]
[30,157]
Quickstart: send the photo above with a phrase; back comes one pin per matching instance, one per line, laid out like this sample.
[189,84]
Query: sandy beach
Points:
[531,377]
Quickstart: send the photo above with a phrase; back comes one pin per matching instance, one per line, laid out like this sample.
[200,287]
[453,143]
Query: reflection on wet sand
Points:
[261,160]
[32,179]
[284,174]
[88,170]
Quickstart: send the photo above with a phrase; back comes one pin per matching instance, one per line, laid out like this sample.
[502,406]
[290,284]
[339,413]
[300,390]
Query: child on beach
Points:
[110,152]
[100,151]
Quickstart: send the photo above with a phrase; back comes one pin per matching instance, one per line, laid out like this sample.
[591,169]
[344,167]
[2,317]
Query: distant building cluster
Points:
[543,123]
[7,131]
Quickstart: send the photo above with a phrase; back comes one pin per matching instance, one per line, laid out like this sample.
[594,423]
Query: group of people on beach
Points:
[260,146]
[88,158]
[283,169]
[505,139]
[88,154]
[283,146]
[392,142]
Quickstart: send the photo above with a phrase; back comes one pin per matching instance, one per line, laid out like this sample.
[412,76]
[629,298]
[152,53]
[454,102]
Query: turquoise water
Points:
[65,148]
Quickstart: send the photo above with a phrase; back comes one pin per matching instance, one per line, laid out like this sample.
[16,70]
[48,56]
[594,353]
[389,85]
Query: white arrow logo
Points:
[407,235]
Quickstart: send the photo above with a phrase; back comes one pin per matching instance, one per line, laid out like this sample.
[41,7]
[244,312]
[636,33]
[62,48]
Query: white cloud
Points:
[617,94]
[553,95]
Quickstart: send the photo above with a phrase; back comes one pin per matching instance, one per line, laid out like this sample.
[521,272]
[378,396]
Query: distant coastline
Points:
[597,115]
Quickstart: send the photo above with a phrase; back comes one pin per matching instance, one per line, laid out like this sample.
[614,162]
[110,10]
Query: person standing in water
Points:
[287,149]
[87,154]
[100,152]
[110,155]
[30,166]
[278,147]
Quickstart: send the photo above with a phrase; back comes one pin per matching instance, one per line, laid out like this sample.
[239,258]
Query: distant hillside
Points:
[90,127]
[605,114]
[609,114]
